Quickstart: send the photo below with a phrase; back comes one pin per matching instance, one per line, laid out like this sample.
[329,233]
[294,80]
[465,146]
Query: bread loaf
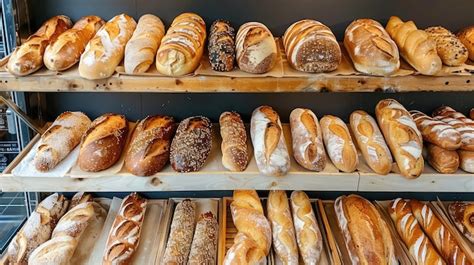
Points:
[141,49]
[124,235]
[37,229]
[307,140]
[308,235]
[370,47]
[105,50]
[181,234]
[462,214]
[60,139]
[415,46]
[66,50]
[450,49]
[444,161]
[338,141]
[418,244]
[149,148]
[402,136]
[436,131]
[268,142]
[221,46]
[204,246]
[78,198]
[471,114]
[366,235]
[103,142]
[466,160]
[310,46]
[254,237]
[439,235]
[461,123]
[284,239]
[371,142]
[466,36]
[192,144]
[255,47]
[182,47]
[28,58]
[235,155]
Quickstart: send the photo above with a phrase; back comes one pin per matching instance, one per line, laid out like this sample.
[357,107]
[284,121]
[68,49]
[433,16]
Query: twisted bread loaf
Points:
[436,131]
[254,237]
[204,246]
[461,123]
[235,155]
[450,49]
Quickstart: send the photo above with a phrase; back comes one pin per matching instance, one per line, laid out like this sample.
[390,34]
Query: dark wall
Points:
[276,14]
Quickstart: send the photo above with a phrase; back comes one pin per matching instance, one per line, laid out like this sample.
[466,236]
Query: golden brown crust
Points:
[235,155]
[450,49]
[461,123]
[466,36]
[462,214]
[444,161]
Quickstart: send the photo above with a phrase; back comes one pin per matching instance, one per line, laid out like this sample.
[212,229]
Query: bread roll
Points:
[66,50]
[462,213]
[182,47]
[436,131]
[235,155]
[415,46]
[149,148]
[308,235]
[103,142]
[461,123]
[450,49]
[402,136]
[105,50]
[254,237]
[284,239]
[255,47]
[310,46]
[444,161]
[192,144]
[28,57]
[466,159]
[466,36]
[60,139]
[37,229]
[339,145]
[370,47]
[141,49]
[221,46]
[204,246]
[366,235]
[268,142]
[371,142]
[308,147]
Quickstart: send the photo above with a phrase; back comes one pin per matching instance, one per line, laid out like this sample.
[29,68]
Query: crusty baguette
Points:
[149,148]
[204,246]
[60,139]
[66,50]
[311,46]
[466,36]
[415,46]
[402,136]
[461,123]
[105,50]
[450,49]
[462,214]
[370,47]
[442,160]
[141,49]
[28,58]
[221,46]
[234,148]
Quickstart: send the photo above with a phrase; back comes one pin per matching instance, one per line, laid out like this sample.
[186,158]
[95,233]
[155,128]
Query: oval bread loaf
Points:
[450,49]
[466,36]
[222,46]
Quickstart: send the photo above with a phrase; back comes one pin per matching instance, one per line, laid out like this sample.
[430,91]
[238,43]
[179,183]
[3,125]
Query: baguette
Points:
[60,139]
[268,141]
[103,142]
[222,46]
[442,160]
[338,141]
[307,138]
[204,246]
[66,50]
[371,142]
[311,47]
[149,147]
[466,36]
[461,123]
[466,159]
[28,58]
[415,46]
[284,238]
[370,47]
[141,49]
[402,136]
[462,213]
[105,50]
[124,235]
[450,49]
[235,155]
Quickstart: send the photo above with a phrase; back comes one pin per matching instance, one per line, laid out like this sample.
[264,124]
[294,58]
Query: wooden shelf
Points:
[70,81]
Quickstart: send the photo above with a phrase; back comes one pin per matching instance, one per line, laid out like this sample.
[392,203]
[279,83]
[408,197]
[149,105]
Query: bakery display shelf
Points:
[70,81]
